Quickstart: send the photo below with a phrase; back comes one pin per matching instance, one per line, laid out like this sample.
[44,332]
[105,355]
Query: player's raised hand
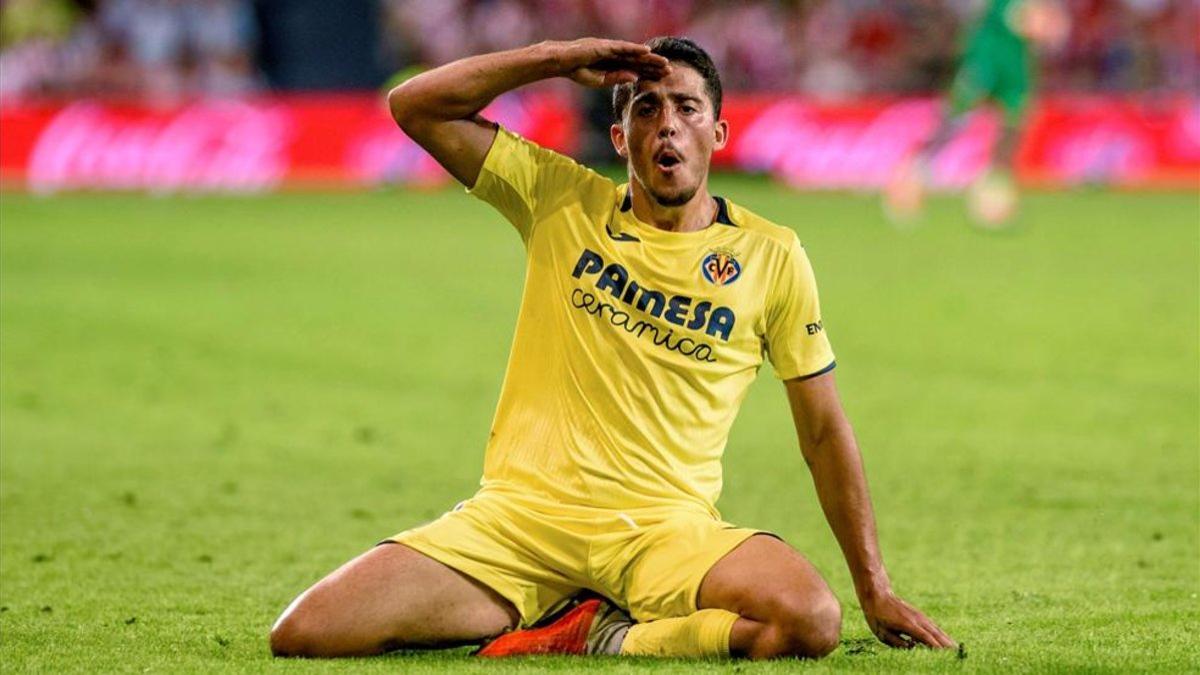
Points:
[595,62]
[898,624]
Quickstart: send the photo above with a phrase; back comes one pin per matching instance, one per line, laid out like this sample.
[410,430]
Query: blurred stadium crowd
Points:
[823,48]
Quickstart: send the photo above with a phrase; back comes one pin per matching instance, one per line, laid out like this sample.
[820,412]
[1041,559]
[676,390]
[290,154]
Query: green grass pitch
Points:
[207,403]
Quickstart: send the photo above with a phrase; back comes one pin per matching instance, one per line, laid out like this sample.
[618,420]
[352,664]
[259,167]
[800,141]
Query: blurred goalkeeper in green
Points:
[997,65]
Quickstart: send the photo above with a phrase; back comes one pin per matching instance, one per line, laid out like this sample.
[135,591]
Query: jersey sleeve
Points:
[525,181]
[795,338]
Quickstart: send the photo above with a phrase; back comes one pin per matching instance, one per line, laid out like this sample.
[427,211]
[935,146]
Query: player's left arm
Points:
[832,455]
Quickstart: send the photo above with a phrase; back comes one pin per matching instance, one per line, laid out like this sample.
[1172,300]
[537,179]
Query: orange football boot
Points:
[594,626]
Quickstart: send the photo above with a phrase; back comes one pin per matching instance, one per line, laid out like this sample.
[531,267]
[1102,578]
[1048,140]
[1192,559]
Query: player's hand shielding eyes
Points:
[594,62]
[898,624]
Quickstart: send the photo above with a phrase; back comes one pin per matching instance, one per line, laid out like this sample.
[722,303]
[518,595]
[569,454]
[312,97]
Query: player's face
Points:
[668,134]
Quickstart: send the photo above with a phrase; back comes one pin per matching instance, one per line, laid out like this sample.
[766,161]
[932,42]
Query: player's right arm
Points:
[439,109]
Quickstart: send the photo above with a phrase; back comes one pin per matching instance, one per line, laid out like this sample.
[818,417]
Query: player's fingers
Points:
[622,48]
[643,62]
[654,69]
[923,636]
[915,625]
[617,63]
[892,639]
[924,629]
[593,77]
[647,70]
[653,60]
[944,641]
[615,77]
[589,77]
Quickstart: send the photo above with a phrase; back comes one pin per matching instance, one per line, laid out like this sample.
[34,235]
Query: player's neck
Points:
[698,213]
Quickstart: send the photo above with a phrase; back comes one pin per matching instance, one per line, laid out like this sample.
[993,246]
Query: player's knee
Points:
[816,627]
[295,635]
[804,627]
[824,627]
[284,639]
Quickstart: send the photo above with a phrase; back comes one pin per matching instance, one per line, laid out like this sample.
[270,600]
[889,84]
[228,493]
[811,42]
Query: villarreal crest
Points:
[721,267]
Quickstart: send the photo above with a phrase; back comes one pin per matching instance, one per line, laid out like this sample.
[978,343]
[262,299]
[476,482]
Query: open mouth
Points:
[667,160]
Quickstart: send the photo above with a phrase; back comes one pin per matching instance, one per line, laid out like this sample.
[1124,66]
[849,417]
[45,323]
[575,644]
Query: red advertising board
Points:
[349,141]
[250,145]
[1123,142]
[1066,141]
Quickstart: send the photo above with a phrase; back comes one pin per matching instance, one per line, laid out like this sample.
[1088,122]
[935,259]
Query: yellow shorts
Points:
[538,554]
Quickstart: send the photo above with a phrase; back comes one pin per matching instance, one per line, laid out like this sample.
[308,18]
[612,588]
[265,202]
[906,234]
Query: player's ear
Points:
[617,133]
[720,134]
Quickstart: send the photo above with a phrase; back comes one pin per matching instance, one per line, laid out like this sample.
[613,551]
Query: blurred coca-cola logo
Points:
[1113,150]
[217,145]
[855,146]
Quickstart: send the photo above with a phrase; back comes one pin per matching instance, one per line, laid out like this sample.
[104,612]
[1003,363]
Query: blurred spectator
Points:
[34,43]
[128,47]
[824,48]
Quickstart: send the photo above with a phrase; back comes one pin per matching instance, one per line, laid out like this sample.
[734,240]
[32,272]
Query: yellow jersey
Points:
[634,346]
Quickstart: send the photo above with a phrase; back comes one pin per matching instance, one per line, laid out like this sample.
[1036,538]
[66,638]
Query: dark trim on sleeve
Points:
[826,369]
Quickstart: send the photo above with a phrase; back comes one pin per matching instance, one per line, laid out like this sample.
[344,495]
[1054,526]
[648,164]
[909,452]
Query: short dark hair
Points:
[684,50]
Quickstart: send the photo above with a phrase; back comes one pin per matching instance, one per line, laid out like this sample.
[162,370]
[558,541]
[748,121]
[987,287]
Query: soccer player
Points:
[997,65]
[647,311]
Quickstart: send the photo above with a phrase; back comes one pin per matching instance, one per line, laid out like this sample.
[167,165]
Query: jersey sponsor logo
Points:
[594,304]
[715,321]
[721,267]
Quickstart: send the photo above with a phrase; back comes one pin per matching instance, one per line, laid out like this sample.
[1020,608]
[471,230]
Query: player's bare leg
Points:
[388,598]
[904,193]
[992,198]
[786,608]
